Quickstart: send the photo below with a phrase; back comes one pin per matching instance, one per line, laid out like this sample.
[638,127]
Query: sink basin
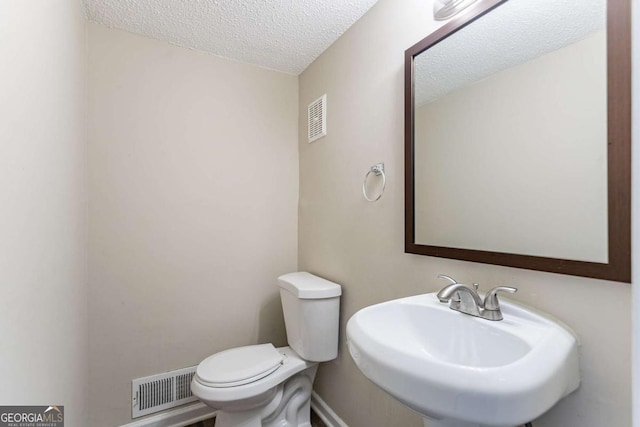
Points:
[464,370]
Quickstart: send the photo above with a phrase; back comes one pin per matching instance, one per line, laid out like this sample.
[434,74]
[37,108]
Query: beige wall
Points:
[635,197]
[193,209]
[506,183]
[361,245]
[43,318]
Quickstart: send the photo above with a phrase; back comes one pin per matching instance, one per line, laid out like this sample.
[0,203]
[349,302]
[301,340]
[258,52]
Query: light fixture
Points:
[446,9]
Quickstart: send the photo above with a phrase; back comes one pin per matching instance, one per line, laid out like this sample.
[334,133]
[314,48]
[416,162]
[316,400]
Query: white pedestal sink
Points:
[460,370]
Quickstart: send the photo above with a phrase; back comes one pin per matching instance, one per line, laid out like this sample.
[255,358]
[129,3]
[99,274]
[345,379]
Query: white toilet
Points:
[260,385]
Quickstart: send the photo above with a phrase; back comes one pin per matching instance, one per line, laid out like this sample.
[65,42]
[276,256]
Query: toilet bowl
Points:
[260,385]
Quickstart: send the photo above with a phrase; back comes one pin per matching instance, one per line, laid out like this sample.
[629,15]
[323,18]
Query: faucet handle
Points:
[450,279]
[491,299]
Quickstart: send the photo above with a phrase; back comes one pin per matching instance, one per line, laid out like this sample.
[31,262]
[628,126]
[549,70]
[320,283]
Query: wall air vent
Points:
[163,391]
[318,118]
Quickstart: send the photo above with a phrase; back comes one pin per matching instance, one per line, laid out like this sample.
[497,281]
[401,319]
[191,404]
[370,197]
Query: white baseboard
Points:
[326,414]
[178,417]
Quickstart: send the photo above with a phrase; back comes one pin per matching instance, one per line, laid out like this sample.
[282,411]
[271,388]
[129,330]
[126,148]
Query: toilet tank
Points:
[311,307]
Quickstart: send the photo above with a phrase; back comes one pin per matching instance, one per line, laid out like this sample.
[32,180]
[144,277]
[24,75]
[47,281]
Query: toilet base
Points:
[289,407]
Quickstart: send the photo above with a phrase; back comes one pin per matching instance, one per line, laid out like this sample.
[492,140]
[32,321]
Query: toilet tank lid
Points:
[307,286]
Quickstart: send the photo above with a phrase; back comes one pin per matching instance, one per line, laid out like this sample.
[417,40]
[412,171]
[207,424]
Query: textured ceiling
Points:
[284,35]
[514,33]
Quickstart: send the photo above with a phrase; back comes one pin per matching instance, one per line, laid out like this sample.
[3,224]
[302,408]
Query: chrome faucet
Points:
[465,299]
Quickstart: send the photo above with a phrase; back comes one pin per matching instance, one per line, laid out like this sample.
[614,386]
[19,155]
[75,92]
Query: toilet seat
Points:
[222,396]
[239,366]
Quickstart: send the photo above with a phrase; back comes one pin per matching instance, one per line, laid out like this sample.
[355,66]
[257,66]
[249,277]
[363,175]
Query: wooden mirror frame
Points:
[618,267]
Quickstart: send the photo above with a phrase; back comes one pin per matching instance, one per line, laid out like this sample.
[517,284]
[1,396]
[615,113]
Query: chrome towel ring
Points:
[377,170]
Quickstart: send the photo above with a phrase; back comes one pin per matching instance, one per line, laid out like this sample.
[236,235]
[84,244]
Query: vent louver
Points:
[163,391]
[317,124]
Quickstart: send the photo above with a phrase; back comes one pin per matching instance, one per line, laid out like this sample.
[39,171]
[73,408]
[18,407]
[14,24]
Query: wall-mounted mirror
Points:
[518,137]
